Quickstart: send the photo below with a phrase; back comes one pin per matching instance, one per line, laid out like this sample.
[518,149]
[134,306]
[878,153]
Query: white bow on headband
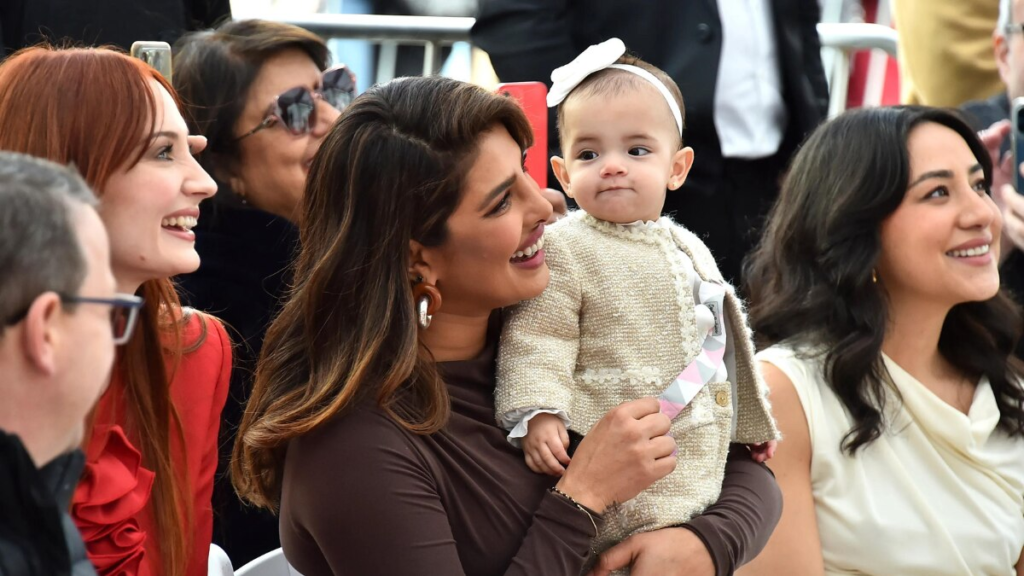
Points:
[598,57]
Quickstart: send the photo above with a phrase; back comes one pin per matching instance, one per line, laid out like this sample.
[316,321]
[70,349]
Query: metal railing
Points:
[432,32]
[852,37]
[838,41]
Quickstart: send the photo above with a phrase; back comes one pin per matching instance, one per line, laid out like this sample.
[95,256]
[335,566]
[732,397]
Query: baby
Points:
[636,305]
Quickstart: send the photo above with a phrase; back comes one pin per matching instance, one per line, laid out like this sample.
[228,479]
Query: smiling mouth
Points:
[528,253]
[970,252]
[183,223]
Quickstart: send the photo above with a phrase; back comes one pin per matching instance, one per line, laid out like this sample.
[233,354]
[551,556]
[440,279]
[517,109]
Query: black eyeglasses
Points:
[295,109]
[124,310]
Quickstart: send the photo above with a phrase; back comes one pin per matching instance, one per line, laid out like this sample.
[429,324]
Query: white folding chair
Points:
[218,563]
[270,564]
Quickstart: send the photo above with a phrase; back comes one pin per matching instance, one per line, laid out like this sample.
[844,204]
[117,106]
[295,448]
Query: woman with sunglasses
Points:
[143,503]
[259,93]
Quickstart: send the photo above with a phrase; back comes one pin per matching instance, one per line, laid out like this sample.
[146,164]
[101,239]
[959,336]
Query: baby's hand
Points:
[545,443]
[762,452]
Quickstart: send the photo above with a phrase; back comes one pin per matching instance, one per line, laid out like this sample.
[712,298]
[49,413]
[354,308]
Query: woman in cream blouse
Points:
[877,288]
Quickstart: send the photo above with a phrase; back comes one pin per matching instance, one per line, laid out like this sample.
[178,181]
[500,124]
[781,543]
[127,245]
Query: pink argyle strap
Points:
[704,367]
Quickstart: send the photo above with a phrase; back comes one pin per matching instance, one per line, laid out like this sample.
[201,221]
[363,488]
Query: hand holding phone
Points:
[532,97]
[156,54]
[1017,142]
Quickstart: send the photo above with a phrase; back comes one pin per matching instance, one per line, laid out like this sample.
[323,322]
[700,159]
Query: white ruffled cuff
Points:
[519,421]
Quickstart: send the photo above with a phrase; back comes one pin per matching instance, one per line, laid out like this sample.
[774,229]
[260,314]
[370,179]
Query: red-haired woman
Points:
[143,504]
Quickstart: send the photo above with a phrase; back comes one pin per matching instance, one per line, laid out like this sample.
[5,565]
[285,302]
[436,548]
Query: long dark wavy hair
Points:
[810,279]
[391,170]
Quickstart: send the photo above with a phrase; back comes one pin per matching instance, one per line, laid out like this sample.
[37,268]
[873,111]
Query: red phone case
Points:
[532,97]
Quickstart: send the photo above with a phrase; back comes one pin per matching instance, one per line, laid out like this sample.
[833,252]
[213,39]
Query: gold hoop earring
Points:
[428,302]
[874,276]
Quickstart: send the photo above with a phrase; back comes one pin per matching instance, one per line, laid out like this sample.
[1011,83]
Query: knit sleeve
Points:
[540,340]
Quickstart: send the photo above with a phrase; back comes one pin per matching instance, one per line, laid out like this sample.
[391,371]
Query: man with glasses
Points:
[1008,44]
[990,117]
[60,320]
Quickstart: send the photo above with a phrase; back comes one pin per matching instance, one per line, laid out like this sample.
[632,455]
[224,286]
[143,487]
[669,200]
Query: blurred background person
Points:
[750,72]
[945,55]
[1005,44]
[991,118]
[57,301]
[143,505]
[259,92]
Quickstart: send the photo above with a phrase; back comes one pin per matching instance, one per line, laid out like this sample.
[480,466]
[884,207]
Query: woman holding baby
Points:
[372,424]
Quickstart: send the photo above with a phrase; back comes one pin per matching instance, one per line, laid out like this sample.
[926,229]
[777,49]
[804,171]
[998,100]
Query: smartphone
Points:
[156,54]
[532,97]
[1017,142]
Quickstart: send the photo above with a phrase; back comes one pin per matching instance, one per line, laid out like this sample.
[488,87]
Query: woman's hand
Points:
[993,137]
[1012,204]
[1003,192]
[659,553]
[624,453]
[559,208]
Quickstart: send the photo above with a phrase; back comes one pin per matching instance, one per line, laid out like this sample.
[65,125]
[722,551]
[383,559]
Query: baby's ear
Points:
[562,174]
[682,161]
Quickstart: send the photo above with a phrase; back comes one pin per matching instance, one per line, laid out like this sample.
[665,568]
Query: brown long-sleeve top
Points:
[364,497]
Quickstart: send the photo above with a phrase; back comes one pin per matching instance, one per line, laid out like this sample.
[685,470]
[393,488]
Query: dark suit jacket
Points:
[527,39]
[984,113]
[37,536]
[98,22]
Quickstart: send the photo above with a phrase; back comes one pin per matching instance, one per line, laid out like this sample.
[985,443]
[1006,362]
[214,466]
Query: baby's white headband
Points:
[598,57]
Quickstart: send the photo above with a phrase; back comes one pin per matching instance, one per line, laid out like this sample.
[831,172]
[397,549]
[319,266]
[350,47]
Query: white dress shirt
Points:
[750,115]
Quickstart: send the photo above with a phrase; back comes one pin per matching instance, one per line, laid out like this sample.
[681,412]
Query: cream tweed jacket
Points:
[617,323]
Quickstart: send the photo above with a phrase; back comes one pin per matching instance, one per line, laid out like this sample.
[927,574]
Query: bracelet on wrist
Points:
[590,513]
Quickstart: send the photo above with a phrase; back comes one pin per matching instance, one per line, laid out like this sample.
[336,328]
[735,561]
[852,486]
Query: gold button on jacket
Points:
[722,398]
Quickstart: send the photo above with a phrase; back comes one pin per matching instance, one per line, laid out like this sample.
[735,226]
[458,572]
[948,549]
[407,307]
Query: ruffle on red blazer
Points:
[107,503]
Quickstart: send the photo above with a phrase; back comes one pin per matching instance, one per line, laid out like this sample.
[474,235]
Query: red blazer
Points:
[109,505]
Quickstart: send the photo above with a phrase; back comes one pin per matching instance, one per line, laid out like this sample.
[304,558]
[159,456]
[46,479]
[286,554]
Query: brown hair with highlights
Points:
[389,172]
